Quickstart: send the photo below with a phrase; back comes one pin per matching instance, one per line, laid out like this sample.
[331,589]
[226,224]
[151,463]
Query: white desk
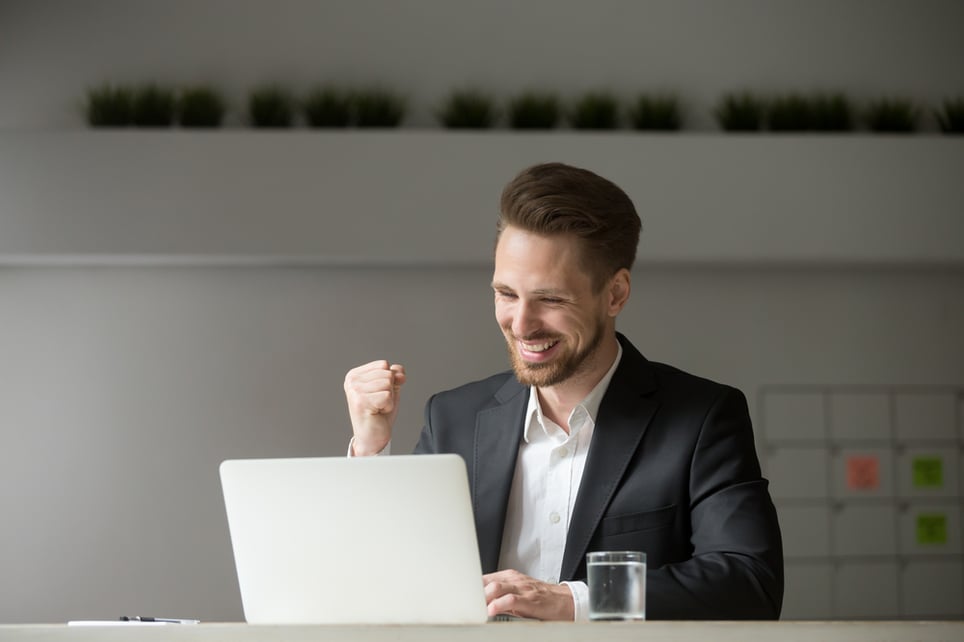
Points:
[506,632]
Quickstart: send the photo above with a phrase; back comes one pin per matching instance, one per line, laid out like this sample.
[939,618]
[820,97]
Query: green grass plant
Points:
[789,113]
[831,112]
[655,112]
[535,110]
[153,106]
[109,106]
[468,109]
[892,115]
[595,110]
[378,108]
[272,107]
[740,112]
[200,107]
[950,116]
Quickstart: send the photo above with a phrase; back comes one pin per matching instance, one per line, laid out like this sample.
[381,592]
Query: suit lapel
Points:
[498,431]
[624,414]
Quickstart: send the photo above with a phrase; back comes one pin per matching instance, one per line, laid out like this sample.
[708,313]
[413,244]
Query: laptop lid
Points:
[368,540]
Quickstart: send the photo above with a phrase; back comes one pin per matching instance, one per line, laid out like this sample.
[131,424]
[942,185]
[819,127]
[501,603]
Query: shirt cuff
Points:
[387,450]
[580,600]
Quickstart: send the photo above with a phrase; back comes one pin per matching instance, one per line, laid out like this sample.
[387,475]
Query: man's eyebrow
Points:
[553,292]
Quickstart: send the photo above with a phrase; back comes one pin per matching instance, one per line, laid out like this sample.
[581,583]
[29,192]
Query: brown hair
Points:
[554,199]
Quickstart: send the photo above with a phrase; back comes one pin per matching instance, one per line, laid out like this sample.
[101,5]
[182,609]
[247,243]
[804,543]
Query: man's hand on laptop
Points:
[372,391]
[518,594]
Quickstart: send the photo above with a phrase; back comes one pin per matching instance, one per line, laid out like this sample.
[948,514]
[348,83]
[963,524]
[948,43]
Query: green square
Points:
[928,472]
[931,528]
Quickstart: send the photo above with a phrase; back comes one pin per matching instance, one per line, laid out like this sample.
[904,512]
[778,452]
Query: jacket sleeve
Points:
[736,569]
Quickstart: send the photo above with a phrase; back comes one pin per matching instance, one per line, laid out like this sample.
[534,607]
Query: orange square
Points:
[863,472]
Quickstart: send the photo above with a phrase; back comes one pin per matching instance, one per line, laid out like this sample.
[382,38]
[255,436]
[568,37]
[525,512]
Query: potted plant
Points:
[950,116]
[378,108]
[328,107]
[153,106]
[271,106]
[200,107]
[831,112]
[595,110]
[109,106]
[534,110]
[468,109]
[740,112]
[655,112]
[789,113]
[892,115]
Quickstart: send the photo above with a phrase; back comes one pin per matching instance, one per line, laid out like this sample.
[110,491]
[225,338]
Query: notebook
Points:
[369,540]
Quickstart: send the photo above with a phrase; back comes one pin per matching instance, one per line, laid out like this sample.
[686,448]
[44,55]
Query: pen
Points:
[163,620]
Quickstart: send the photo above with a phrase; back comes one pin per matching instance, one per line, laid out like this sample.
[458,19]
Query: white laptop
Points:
[369,540]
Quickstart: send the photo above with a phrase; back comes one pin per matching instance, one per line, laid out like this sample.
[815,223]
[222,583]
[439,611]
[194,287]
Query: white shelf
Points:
[417,197]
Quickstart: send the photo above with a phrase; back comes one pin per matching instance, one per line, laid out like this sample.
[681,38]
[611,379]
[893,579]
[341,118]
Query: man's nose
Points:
[526,320]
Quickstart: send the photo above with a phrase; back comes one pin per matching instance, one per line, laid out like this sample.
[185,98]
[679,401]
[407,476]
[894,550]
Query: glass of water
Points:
[617,585]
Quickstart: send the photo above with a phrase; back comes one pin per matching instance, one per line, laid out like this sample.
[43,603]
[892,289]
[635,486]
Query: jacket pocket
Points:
[645,521]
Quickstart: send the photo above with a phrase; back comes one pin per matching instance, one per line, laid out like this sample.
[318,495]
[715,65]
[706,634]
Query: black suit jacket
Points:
[671,471]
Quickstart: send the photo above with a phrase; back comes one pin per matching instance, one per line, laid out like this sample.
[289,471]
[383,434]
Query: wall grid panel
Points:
[895,500]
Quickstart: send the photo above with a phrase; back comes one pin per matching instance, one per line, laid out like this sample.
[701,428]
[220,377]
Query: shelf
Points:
[413,197]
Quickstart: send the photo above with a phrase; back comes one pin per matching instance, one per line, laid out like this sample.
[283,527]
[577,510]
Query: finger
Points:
[380,403]
[373,371]
[497,590]
[373,383]
[365,373]
[378,364]
[510,603]
[398,375]
[370,380]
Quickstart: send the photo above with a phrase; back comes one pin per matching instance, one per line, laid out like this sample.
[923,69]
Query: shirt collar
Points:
[590,404]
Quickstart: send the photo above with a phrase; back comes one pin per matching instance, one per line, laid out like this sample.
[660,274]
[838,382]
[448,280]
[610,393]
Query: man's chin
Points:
[535,374]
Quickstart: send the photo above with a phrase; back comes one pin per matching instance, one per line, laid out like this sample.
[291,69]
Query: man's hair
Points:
[556,199]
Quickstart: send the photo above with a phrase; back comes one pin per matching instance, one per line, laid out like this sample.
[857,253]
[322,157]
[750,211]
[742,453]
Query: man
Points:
[586,445]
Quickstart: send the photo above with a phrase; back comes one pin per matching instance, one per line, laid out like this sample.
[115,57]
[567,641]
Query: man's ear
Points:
[618,291]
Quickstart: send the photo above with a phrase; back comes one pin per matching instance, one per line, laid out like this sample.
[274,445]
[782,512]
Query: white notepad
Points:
[372,540]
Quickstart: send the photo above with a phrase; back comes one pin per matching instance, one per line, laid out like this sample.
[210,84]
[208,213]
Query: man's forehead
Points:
[520,244]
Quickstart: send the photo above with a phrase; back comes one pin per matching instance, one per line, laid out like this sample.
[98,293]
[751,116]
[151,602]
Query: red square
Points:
[863,472]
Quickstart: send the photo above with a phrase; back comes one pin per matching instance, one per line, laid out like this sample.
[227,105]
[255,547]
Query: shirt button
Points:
[553,580]
[562,452]
[554,517]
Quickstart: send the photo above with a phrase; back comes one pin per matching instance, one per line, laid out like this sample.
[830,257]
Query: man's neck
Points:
[558,401]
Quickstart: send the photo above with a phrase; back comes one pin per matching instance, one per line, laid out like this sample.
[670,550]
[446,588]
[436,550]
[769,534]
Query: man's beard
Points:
[552,372]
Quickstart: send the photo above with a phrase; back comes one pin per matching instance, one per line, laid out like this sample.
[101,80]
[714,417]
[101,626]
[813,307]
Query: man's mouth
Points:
[537,350]
[538,347]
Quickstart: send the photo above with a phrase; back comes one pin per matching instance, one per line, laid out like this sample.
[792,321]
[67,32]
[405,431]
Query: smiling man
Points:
[585,445]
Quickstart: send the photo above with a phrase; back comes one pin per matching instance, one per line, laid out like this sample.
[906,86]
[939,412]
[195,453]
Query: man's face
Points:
[552,321]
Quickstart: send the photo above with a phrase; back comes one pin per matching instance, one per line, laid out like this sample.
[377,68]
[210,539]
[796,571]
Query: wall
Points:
[126,380]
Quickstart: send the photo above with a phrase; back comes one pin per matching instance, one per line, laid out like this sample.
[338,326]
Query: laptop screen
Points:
[354,541]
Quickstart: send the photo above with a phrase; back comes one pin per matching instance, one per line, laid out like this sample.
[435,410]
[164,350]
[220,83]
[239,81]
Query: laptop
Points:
[368,540]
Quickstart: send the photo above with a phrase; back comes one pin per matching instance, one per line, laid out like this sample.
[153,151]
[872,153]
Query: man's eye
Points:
[551,300]
[506,295]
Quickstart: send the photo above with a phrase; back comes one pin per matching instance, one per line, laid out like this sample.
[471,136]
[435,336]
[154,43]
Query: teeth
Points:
[537,347]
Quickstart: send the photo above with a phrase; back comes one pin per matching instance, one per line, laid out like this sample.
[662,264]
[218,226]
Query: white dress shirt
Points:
[544,488]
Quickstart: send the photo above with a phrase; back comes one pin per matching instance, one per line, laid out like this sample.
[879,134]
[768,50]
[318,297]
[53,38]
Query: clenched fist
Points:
[372,392]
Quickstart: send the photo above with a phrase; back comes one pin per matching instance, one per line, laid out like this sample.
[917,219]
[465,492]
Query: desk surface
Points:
[507,632]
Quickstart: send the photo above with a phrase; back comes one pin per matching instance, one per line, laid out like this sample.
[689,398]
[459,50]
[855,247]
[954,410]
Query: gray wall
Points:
[125,381]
